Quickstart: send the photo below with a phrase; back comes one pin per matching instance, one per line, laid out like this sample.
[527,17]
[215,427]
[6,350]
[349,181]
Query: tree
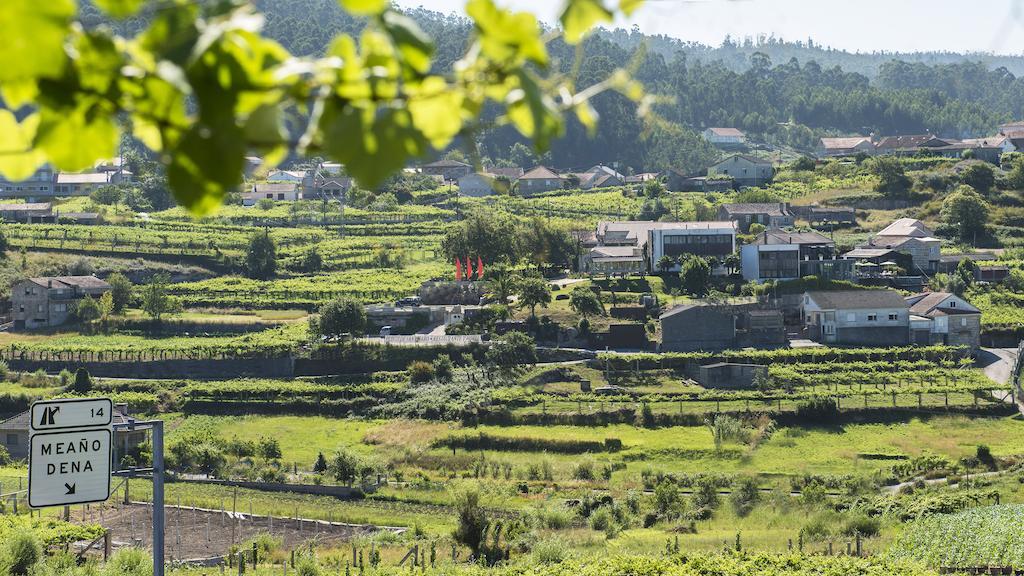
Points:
[980,176]
[337,318]
[965,211]
[502,284]
[203,100]
[312,261]
[892,180]
[534,292]
[21,552]
[653,188]
[261,256]
[472,522]
[321,464]
[4,244]
[490,235]
[696,276]
[120,290]
[268,448]
[107,195]
[515,349]
[966,270]
[804,164]
[666,263]
[106,305]
[585,303]
[83,382]
[156,302]
[344,466]
[1015,178]
[744,496]
[88,309]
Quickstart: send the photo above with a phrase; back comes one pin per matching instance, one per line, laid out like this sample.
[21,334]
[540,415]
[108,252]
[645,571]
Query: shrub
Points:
[5,456]
[984,456]
[744,495]
[816,529]
[307,566]
[602,519]
[549,551]
[584,470]
[129,562]
[863,525]
[472,521]
[705,494]
[83,382]
[22,552]
[666,498]
[444,368]
[420,372]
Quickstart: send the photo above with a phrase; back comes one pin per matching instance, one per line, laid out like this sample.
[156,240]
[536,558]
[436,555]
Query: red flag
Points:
[479,268]
[458,269]
[469,268]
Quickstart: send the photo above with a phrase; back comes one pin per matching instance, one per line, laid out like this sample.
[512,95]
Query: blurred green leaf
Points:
[580,16]
[415,46]
[32,36]
[505,35]
[73,139]
[120,8]
[18,159]
[364,7]
[435,110]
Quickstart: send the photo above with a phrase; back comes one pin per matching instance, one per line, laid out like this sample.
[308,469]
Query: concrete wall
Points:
[343,492]
[872,336]
[194,369]
[699,328]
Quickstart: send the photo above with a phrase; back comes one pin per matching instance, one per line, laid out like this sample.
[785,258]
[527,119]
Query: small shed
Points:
[730,375]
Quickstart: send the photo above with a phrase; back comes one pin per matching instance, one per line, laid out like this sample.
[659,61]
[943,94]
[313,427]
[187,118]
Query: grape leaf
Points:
[33,33]
[120,8]
[364,7]
[580,16]
[18,160]
[435,110]
[73,139]
[415,46]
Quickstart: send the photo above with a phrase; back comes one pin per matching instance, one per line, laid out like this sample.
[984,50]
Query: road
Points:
[997,363]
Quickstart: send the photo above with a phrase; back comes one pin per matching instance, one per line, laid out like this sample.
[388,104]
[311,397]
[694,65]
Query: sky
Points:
[852,25]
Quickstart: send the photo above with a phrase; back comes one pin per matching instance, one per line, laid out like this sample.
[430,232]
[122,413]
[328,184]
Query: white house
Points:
[856,317]
[725,136]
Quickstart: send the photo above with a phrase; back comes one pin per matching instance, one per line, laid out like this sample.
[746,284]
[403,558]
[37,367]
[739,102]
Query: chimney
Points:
[122,407]
[49,284]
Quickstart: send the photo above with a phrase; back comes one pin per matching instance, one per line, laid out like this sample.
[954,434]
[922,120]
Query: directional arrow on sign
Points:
[70,487]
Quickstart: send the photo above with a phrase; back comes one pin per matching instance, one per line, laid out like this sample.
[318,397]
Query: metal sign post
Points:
[70,458]
[156,473]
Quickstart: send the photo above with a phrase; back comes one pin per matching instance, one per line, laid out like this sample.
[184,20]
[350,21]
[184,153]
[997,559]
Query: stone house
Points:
[539,179]
[745,170]
[944,318]
[50,301]
[768,214]
[448,169]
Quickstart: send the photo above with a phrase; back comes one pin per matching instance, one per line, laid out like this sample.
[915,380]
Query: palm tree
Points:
[502,284]
[665,263]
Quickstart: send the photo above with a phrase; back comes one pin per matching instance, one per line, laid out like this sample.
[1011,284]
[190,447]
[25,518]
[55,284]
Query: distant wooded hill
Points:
[782,94]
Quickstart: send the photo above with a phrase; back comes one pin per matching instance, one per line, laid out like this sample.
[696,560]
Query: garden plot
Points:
[192,533]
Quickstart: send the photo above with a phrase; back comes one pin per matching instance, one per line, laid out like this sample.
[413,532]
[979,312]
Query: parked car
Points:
[385,331]
[412,301]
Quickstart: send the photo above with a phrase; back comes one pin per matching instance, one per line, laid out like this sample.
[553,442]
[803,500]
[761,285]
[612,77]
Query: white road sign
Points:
[69,456]
[71,413]
[69,467]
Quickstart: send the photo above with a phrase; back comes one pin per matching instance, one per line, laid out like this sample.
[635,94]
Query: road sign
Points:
[69,451]
[69,467]
[71,413]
